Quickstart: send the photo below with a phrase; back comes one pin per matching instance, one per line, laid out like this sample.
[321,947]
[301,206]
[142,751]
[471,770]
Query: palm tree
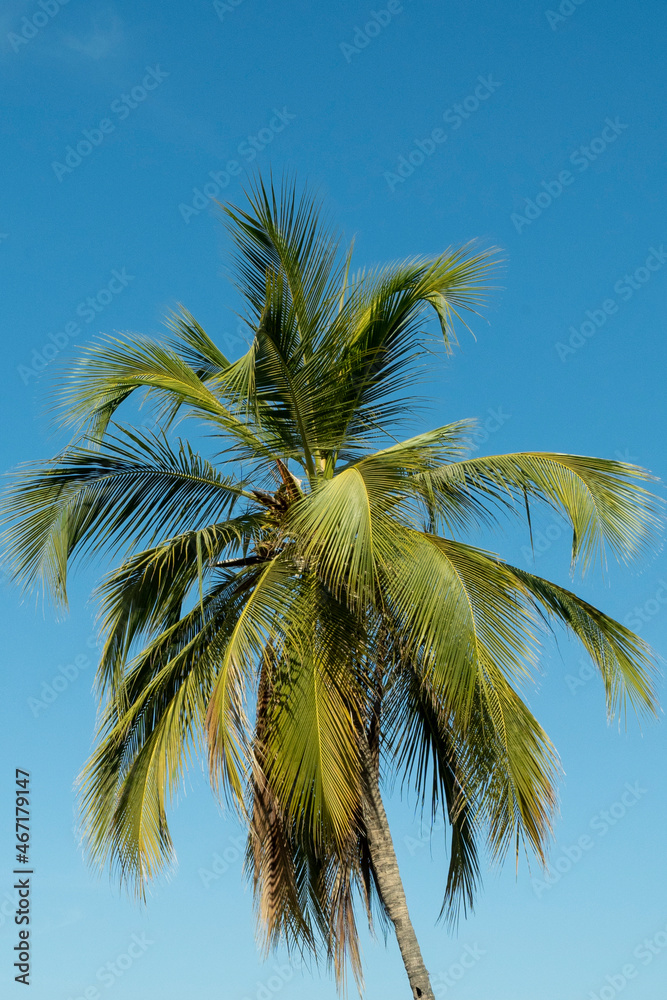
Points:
[311,619]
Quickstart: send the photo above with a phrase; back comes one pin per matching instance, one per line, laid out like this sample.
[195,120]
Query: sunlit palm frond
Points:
[284,233]
[108,372]
[92,500]
[461,612]
[603,500]
[312,756]
[147,592]
[268,595]
[378,336]
[145,740]
[626,663]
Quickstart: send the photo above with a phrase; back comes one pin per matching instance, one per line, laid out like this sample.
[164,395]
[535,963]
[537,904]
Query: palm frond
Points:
[146,737]
[285,234]
[108,372]
[312,754]
[93,500]
[269,596]
[625,661]
[377,337]
[459,611]
[602,499]
[146,593]
[424,745]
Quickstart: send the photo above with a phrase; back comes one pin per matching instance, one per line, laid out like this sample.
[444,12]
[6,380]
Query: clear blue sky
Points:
[555,154]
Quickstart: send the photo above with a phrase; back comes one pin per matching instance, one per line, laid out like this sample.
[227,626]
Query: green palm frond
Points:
[284,233]
[425,746]
[513,768]
[626,663]
[407,460]
[145,595]
[461,613]
[195,347]
[602,499]
[108,372]
[312,758]
[93,500]
[145,740]
[267,597]
[378,336]
[342,533]
[279,865]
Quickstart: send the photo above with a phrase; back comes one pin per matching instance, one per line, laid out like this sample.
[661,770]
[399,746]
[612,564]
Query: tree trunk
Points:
[389,882]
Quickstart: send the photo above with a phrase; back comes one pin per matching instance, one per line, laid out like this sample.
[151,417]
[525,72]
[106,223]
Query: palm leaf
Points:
[601,498]
[93,500]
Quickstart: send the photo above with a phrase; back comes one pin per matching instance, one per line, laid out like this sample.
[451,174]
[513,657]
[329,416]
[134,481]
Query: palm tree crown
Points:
[312,620]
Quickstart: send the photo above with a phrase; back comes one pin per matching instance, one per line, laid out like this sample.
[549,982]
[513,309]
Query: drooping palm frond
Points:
[461,612]
[146,736]
[602,499]
[269,596]
[308,867]
[424,745]
[626,663]
[96,500]
[146,594]
[278,865]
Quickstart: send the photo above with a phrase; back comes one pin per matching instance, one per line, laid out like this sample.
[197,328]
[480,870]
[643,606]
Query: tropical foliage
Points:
[302,607]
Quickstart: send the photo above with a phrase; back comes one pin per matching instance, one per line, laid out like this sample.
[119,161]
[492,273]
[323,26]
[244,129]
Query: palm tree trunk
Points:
[389,881]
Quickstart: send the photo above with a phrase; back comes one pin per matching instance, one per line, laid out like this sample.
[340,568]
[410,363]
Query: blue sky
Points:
[531,128]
